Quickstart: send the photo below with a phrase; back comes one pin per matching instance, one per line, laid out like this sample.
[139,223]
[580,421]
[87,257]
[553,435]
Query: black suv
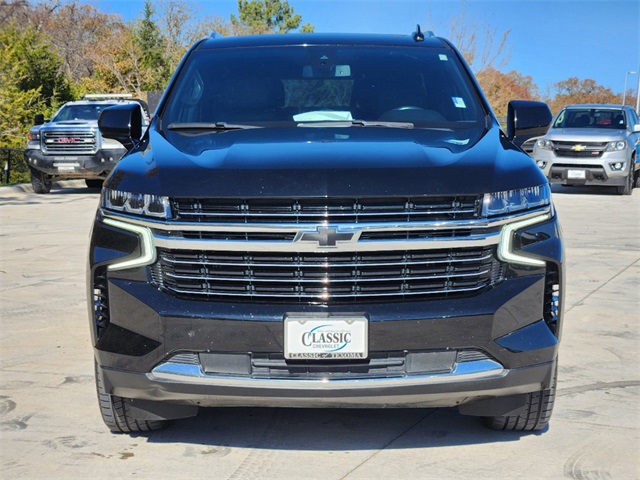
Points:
[325,221]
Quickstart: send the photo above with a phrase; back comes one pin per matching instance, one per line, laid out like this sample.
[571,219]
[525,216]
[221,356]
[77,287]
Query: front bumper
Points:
[155,346]
[97,165]
[470,383]
[584,171]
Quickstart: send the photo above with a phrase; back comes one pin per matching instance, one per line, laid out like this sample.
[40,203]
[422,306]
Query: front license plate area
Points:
[576,174]
[339,338]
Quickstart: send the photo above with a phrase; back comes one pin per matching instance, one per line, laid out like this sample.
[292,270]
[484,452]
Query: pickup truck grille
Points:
[69,142]
[323,210]
[579,149]
[338,277]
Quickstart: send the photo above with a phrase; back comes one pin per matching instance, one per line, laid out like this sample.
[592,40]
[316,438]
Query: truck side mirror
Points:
[122,123]
[527,119]
[38,119]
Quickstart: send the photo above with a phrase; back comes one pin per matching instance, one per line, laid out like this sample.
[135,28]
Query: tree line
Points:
[54,51]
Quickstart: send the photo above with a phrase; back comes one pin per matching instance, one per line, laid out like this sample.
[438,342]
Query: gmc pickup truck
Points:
[69,146]
[325,221]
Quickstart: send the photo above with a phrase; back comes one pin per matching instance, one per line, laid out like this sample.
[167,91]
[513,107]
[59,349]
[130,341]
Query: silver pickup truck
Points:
[592,145]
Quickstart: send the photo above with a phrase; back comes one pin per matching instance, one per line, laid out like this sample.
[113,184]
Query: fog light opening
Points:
[616,166]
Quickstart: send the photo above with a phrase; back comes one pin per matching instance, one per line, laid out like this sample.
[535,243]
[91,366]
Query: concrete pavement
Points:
[50,426]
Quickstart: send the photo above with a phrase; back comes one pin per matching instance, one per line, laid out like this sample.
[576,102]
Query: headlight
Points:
[33,136]
[616,146]
[136,203]
[511,201]
[544,144]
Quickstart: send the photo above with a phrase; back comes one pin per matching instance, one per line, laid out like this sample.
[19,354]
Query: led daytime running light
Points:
[505,247]
[147,250]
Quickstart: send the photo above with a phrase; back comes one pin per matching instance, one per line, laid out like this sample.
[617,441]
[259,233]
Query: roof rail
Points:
[108,96]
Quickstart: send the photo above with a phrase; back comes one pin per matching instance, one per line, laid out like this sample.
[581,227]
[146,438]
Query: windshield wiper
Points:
[216,126]
[357,123]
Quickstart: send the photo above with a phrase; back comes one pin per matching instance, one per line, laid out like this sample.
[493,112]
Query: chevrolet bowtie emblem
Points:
[578,148]
[324,236]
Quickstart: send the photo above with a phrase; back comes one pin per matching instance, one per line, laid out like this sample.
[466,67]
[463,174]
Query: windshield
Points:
[324,86]
[81,112]
[591,118]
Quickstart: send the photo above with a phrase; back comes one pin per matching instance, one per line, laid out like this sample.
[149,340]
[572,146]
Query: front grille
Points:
[323,210]
[69,142]
[579,150]
[326,277]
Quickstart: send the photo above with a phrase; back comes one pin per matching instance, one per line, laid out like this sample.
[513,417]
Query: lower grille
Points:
[326,278]
[378,365]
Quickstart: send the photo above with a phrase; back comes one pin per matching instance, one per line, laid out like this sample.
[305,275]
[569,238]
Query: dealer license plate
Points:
[326,338]
[576,174]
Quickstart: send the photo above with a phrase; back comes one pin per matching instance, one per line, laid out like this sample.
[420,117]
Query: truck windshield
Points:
[591,118]
[324,86]
[80,112]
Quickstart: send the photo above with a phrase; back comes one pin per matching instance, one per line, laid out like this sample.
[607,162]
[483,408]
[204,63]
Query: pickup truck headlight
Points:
[33,136]
[616,146]
[510,201]
[544,144]
[136,203]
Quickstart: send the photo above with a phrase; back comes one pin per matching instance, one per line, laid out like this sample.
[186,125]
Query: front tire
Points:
[116,413]
[630,181]
[40,181]
[537,411]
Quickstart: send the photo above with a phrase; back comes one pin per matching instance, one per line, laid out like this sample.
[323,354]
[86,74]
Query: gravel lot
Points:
[50,426]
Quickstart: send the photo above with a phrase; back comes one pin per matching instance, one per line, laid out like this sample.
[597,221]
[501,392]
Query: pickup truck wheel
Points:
[630,181]
[537,411]
[93,183]
[116,413]
[40,181]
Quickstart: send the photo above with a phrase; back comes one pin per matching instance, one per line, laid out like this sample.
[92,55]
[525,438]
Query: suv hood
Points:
[585,134]
[318,162]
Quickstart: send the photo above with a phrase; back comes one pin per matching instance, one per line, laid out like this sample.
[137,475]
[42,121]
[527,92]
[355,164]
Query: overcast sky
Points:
[550,40]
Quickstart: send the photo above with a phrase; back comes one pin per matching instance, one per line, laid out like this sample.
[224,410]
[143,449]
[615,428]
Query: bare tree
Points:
[481,46]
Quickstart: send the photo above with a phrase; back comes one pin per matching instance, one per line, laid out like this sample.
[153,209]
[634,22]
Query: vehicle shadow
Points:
[331,429]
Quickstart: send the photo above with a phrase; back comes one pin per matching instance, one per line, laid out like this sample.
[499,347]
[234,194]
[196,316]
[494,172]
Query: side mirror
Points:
[38,119]
[122,123]
[526,119]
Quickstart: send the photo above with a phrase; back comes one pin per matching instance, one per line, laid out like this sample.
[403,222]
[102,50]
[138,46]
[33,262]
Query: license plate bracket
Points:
[327,338]
[577,174]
